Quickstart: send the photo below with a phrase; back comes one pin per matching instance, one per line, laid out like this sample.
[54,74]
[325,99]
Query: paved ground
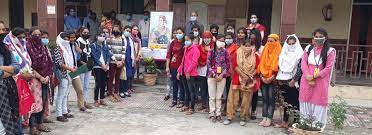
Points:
[147,114]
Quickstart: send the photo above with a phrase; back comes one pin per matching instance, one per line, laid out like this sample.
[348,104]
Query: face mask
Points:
[196,34]
[2,36]
[116,33]
[319,41]
[230,30]
[193,18]
[188,43]
[146,17]
[179,36]
[129,18]
[85,36]
[215,34]
[207,41]
[253,20]
[229,41]
[220,44]
[100,39]
[126,34]
[45,41]
[291,48]
[73,13]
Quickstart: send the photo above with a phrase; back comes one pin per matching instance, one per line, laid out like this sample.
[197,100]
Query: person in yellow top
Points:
[268,69]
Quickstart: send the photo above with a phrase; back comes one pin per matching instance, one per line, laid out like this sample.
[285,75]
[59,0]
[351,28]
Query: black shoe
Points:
[62,119]
[68,115]
[253,116]
[166,98]
[127,94]
[122,95]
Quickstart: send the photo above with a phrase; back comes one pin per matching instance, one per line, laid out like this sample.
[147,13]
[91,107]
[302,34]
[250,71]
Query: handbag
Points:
[25,96]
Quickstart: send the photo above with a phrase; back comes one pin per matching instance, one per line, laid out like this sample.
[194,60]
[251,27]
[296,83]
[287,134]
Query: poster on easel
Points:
[160,34]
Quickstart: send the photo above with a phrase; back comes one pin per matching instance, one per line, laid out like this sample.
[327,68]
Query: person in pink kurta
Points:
[317,65]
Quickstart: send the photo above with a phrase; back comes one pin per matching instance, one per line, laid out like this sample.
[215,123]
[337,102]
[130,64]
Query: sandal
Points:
[118,98]
[113,99]
[180,105]
[219,119]
[214,119]
[68,115]
[46,120]
[34,131]
[43,128]
[102,103]
[190,112]
[184,109]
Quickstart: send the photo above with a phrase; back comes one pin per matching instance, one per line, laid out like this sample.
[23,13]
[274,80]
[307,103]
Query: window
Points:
[132,6]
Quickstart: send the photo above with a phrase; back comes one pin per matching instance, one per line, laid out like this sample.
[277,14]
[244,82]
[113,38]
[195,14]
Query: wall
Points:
[30,7]
[275,16]
[4,11]
[309,17]
[96,6]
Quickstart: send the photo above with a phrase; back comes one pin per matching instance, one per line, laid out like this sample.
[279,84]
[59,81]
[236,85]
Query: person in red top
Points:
[206,46]
[255,25]
[174,59]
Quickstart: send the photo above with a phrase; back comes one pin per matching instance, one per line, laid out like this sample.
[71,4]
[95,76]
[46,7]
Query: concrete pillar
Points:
[164,5]
[288,18]
[50,15]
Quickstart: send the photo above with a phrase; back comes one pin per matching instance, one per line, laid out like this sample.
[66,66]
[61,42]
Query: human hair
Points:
[5,52]
[18,31]
[326,46]
[195,26]
[219,36]
[44,33]
[229,24]
[32,29]
[291,38]
[81,29]
[117,26]
[134,26]
[146,12]
[244,31]
[247,41]
[258,39]
[196,12]
[128,27]
[214,26]
[191,36]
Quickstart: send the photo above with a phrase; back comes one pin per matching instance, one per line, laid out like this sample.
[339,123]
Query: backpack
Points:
[333,71]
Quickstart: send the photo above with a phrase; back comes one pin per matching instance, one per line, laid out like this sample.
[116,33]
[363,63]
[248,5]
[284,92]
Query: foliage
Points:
[150,66]
[337,110]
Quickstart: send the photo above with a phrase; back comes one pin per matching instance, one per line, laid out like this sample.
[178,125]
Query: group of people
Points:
[225,72]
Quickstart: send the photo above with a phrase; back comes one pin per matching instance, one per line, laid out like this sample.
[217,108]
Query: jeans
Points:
[85,77]
[63,91]
[125,84]
[2,129]
[37,118]
[254,101]
[20,127]
[76,83]
[176,86]
[192,85]
[290,95]
[100,83]
[268,100]
[215,90]
[202,84]
[114,74]
[185,87]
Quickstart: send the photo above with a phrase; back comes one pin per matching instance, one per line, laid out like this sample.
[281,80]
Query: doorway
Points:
[16,16]
[263,10]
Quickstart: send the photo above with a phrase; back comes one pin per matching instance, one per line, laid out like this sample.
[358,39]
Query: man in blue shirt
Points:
[193,21]
[72,22]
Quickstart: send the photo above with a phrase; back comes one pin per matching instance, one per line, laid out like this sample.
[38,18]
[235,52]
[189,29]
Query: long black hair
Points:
[6,54]
[326,45]
[258,42]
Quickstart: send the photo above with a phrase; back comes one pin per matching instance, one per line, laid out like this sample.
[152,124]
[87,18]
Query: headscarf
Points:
[270,57]
[247,64]
[203,52]
[41,61]
[18,48]
[289,59]
[64,45]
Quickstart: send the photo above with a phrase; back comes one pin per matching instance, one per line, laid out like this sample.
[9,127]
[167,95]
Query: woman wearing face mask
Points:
[317,65]
[218,67]
[230,28]
[268,69]
[188,72]
[255,25]
[288,62]
[127,74]
[174,59]
[43,70]
[83,44]
[117,50]
[255,37]
[101,57]
[244,63]
[214,30]
[204,48]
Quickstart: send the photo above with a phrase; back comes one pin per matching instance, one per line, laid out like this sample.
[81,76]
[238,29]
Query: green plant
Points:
[150,66]
[309,123]
[338,113]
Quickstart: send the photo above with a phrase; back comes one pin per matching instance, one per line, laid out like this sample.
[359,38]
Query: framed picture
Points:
[160,33]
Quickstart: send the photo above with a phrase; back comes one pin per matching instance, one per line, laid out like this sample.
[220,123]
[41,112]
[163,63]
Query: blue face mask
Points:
[45,41]
[126,34]
[188,43]
[193,18]
[179,36]
[146,17]
[129,18]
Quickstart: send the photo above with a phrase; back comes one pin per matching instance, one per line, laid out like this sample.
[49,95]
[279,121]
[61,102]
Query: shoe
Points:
[88,106]
[62,119]
[190,112]
[166,98]
[227,122]
[84,110]
[219,119]
[68,115]
[102,103]
[253,116]
[122,95]
[96,104]
[47,120]
[173,105]
[180,105]
[34,131]
[242,123]
[127,94]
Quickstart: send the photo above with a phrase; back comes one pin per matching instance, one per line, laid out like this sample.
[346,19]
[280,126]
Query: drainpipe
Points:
[348,37]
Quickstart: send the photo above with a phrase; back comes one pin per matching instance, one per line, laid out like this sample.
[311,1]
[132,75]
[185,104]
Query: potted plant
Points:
[151,73]
[307,125]
[337,111]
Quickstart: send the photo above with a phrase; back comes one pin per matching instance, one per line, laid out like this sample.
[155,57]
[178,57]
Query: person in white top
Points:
[144,26]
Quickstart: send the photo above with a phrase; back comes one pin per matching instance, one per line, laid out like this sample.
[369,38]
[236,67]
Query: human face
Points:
[44,36]
[36,33]
[2,28]
[72,38]
[161,22]
[117,29]
[85,31]
[135,30]
[193,14]
[291,42]
[319,39]
[241,34]
[271,40]
[221,39]
[214,30]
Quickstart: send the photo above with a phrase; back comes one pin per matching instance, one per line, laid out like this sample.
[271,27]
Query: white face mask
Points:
[100,39]
[254,20]
[207,41]
[220,44]
[193,18]
[196,34]
[230,30]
